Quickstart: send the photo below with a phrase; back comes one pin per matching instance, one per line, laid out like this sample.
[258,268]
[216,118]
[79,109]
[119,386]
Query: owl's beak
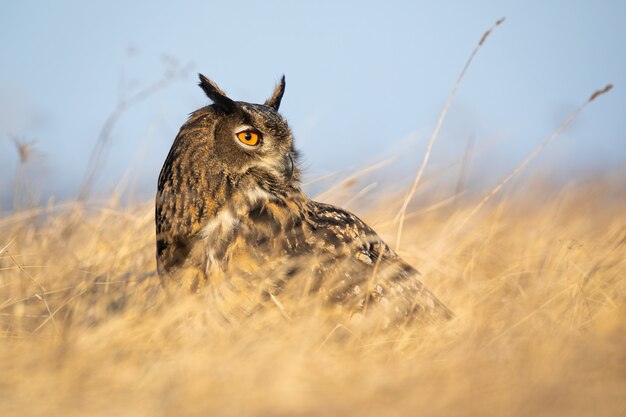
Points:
[288,166]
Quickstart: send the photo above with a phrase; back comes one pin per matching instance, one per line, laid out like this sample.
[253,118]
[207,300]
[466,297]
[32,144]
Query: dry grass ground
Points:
[536,279]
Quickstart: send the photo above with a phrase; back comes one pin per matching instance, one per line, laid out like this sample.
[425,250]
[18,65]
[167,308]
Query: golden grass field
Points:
[535,278]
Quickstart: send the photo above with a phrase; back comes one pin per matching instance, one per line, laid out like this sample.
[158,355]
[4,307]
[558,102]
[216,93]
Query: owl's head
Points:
[246,141]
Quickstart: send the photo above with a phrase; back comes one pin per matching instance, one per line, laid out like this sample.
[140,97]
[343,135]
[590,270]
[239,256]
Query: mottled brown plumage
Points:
[231,216]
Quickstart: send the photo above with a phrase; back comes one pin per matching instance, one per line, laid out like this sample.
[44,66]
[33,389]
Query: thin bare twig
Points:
[280,306]
[96,160]
[6,246]
[24,150]
[463,172]
[534,153]
[444,111]
[332,332]
[42,291]
[360,194]
[353,178]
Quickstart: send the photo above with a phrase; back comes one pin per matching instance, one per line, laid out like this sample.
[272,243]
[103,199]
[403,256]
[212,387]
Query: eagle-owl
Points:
[231,217]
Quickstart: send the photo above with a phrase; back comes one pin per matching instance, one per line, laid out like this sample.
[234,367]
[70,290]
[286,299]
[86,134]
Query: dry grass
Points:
[536,279]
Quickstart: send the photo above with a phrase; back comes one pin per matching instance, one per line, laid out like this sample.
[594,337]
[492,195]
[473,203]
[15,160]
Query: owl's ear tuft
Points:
[215,93]
[277,95]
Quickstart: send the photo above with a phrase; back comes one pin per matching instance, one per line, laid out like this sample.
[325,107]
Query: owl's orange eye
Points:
[249,137]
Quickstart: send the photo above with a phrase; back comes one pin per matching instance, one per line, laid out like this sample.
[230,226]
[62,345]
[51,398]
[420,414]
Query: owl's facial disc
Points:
[266,149]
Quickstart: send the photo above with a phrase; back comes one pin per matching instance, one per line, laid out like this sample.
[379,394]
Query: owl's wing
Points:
[367,273]
[179,214]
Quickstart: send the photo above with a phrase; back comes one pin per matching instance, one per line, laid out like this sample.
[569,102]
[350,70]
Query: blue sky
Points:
[365,80]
